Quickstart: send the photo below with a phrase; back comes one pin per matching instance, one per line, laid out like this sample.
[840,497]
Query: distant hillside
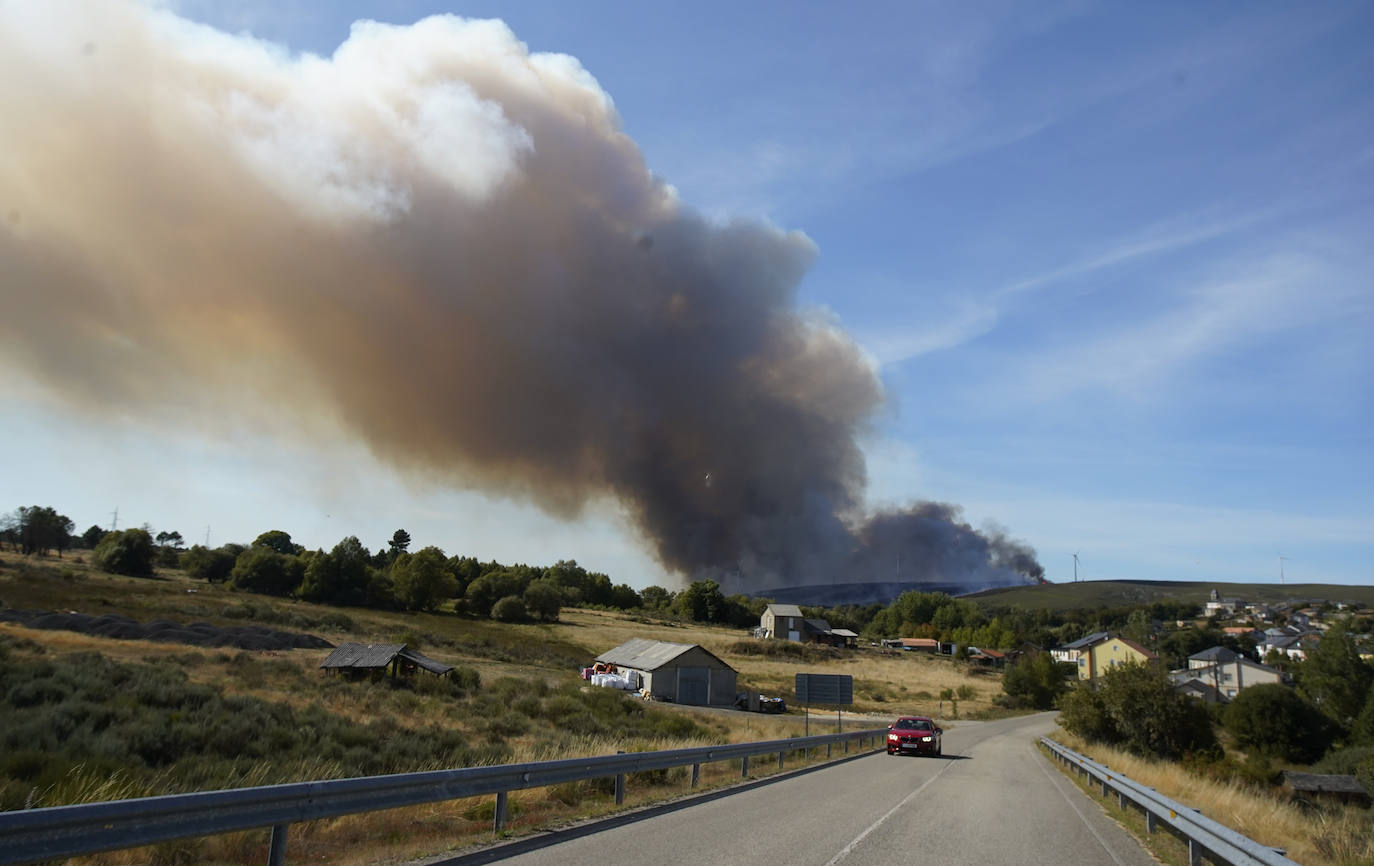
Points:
[1113,593]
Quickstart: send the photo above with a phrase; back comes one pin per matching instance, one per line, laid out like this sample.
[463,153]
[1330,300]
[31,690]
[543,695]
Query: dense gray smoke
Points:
[443,245]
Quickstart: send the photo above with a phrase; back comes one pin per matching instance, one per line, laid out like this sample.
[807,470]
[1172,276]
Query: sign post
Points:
[832,689]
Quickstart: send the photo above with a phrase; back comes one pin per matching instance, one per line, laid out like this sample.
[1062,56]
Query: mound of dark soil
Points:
[202,634]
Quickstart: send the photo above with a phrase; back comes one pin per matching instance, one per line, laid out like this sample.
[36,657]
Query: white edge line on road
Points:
[1054,783]
[846,850]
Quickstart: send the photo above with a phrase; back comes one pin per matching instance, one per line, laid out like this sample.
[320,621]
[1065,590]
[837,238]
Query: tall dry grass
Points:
[1332,836]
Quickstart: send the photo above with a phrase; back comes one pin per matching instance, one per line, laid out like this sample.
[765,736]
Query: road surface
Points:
[993,798]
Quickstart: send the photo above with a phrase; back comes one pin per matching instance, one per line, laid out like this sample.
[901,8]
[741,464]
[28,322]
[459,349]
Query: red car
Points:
[913,735]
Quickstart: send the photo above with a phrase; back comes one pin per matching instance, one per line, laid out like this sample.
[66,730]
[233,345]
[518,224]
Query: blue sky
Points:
[1113,262]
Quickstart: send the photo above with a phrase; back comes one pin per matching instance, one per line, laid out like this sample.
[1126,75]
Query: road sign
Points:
[825,689]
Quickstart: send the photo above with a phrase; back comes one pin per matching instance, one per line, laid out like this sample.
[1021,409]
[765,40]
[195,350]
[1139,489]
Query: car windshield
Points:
[913,724]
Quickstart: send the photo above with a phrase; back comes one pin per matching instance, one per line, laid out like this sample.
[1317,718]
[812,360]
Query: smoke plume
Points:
[444,246]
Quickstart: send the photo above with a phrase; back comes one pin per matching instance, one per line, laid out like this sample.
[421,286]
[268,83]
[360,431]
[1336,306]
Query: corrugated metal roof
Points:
[424,661]
[360,655]
[1318,783]
[784,610]
[818,625]
[379,655]
[648,655]
[844,632]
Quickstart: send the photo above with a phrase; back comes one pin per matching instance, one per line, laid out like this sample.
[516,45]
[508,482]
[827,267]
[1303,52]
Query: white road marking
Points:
[848,849]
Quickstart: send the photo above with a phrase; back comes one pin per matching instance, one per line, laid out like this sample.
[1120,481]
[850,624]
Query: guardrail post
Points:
[620,789]
[827,749]
[276,848]
[846,747]
[780,754]
[696,774]
[1105,789]
[498,818]
[1194,853]
[1149,821]
[744,767]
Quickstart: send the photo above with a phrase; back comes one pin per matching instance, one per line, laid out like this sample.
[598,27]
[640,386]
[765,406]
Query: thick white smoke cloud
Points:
[445,246]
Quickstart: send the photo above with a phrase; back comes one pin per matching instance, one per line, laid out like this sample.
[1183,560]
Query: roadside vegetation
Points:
[86,718]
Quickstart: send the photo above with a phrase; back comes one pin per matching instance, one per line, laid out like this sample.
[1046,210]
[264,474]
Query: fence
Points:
[68,831]
[1205,837]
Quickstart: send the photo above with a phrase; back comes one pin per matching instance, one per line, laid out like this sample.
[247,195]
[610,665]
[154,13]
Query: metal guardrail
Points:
[67,831]
[1205,837]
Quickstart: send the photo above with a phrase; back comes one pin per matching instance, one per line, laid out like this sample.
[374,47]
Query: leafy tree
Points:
[209,565]
[1136,707]
[483,593]
[702,601]
[276,539]
[624,597]
[91,537]
[399,543]
[39,529]
[1274,720]
[1036,681]
[465,569]
[656,598]
[542,599]
[263,570]
[509,609]
[126,551]
[1334,677]
[169,549]
[422,580]
[341,576]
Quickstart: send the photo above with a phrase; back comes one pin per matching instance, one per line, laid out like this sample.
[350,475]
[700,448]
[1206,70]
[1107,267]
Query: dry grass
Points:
[886,684]
[1330,837]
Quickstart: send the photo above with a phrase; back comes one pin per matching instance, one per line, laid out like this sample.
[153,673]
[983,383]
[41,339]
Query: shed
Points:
[1314,786]
[680,672]
[376,658]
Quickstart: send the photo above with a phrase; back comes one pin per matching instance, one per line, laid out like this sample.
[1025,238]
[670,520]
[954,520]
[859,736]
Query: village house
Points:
[787,622]
[1100,658]
[1073,652]
[1218,674]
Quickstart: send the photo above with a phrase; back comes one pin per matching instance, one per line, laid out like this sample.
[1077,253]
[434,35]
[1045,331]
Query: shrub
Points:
[127,551]
[1274,720]
[1037,681]
[509,609]
[1136,707]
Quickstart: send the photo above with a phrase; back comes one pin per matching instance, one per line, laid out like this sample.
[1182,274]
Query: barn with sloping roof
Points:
[680,672]
[376,659]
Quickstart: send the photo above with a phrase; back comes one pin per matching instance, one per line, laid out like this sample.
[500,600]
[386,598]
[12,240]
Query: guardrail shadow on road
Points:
[549,838]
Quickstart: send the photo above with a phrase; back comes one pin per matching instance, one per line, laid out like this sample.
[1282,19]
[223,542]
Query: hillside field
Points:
[199,718]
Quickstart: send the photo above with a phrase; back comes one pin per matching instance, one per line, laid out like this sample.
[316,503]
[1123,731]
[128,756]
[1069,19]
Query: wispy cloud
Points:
[1238,304]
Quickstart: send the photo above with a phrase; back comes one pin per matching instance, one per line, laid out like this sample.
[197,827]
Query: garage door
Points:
[694,686]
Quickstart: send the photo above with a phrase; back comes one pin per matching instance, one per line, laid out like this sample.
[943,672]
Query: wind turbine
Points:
[1282,558]
[1075,566]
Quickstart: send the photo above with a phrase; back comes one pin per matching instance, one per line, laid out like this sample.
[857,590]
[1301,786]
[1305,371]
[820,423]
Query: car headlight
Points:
[892,736]
[926,739]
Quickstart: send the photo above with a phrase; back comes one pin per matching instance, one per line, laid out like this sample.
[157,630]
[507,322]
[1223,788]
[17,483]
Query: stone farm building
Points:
[376,659]
[679,672]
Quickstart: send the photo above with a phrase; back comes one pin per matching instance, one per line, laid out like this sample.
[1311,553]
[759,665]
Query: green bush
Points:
[90,718]
[1136,707]
[1274,720]
[128,551]
[509,609]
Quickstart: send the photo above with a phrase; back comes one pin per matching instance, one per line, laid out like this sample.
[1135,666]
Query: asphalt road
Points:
[993,798]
